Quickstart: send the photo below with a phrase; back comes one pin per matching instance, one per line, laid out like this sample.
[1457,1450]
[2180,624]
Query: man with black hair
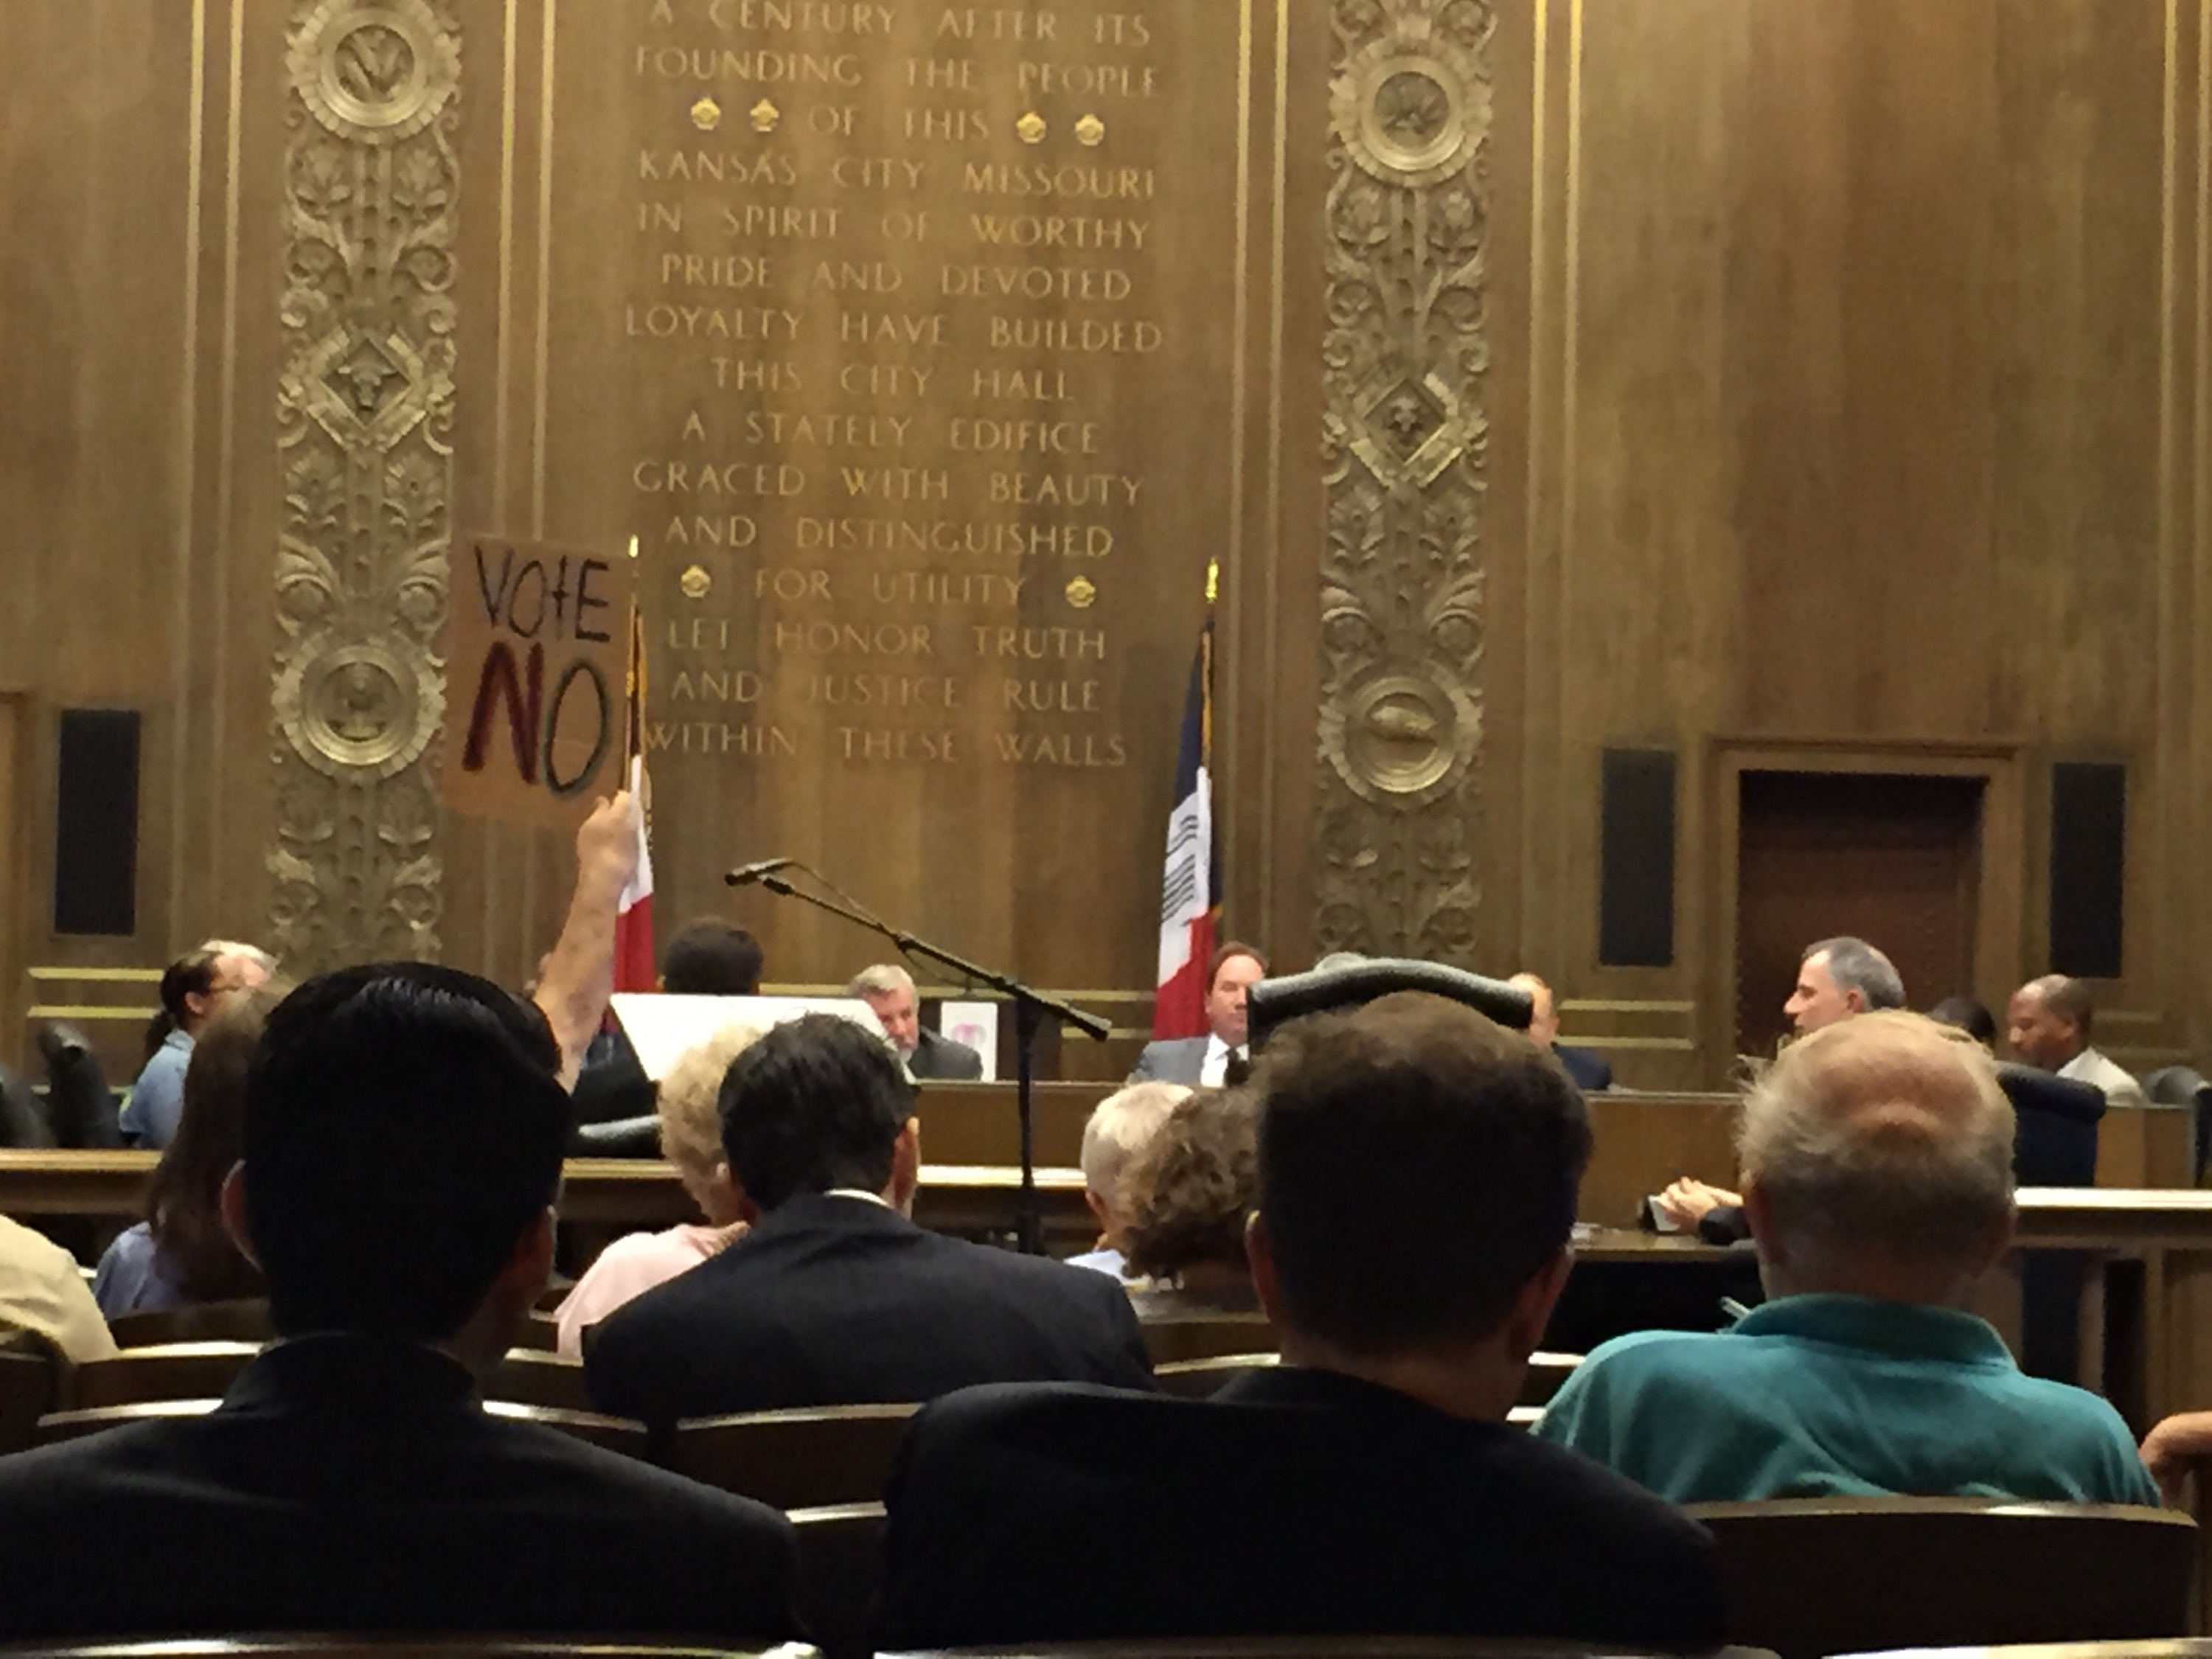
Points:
[1419,1168]
[401,1145]
[708,957]
[2047,1025]
[834,1296]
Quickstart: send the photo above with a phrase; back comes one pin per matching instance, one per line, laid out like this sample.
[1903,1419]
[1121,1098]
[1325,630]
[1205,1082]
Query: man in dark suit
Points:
[1589,1072]
[1204,1062]
[402,1150]
[889,989]
[1418,1169]
[834,1296]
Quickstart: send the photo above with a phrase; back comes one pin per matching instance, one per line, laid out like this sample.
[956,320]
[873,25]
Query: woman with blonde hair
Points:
[690,1106]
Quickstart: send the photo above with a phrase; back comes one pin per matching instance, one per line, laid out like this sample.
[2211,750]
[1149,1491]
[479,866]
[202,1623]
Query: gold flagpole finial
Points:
[633,547]
[1213,579]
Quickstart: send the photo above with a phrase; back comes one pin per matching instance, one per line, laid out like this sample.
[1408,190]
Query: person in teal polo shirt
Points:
[1877,1166]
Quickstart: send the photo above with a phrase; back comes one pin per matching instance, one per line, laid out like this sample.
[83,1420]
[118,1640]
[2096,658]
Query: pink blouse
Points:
[630,1266]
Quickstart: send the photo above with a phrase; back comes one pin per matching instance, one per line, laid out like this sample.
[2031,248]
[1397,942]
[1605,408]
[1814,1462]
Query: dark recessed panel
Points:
[96,823]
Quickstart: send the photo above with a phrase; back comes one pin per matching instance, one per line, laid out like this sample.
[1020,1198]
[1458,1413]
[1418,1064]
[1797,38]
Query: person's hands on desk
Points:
[1687,1201]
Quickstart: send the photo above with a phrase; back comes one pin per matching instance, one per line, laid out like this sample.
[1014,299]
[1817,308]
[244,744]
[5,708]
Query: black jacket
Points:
[1294,1503]
[348,1483]
[837,1301]
[941,1059]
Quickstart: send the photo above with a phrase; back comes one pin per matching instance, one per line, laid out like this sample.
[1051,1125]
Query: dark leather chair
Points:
[80,1106]
[1273,1002]
[2182,1086]
[2054,1144]
[21,1122]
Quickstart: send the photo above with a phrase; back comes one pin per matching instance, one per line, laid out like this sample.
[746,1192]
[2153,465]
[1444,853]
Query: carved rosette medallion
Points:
[365,411]
[1406,359]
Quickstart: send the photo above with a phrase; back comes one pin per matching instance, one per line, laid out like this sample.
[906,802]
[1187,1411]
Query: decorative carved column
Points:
[365,408]
[1405,356]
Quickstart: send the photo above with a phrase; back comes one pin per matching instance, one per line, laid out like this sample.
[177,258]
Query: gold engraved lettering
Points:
[881,691]
[700,633]
[1057,230]
[1021,749]
[940,74]
[997,23]
[1073,179]
[1050,697]
[1102,285]
[946,126]
[846,277]
[653,216]
[715,685]
[890,328]
[897,484]
[976,435]
[914,587]
[791,586]
[1040,644]
[752,374]
[875,640]
[799,16]
[673,322]
[884,380]
[1118,28]
[779,427]
[1066,489]
[698,531]
[942,538]
[715,737]
[797,224]
[764,65]
[716,167]
[864,745]
[1068,334]
[716,270]
[1034,386]
[876,173]
[732,478]
[1089,80]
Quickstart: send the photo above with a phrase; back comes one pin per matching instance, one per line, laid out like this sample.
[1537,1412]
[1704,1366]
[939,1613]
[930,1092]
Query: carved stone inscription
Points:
[925,365]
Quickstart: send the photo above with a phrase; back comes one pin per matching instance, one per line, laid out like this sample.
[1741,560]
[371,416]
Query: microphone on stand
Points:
[745,873]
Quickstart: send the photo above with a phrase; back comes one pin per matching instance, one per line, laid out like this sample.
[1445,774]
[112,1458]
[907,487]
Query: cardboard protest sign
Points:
[535,658]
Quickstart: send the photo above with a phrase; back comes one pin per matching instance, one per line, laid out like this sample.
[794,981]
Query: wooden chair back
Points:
[1207,1336]
[1808,1577]
[169,1371]
[539,1331]
[1201,1379]
[841,1574]
[616,1434]
[531,1377]
[1324,1647]
[1546,1374]
[396,1647]
[243,1320]
[793,1459]
[30,1386]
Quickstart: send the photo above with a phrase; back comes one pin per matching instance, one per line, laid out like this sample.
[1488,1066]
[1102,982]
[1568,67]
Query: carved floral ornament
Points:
[1404,444]
[374,71]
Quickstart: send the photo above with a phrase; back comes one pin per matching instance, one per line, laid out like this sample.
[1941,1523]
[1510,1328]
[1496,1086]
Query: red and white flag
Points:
[1190,891]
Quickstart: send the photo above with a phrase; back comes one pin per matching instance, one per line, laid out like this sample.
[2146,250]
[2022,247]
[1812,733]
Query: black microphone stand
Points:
[1031,1008]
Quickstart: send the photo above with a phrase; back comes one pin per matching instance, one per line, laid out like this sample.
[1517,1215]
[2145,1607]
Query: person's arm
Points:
[579,975]
[1687,1201]
[2172,1450]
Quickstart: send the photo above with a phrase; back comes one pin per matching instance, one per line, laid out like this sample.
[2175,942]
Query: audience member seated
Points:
[1118,1126]
[1234,968]
[1877,1159]
[1589,1071]
[182,1252]
[1419,1168]
[834,1296]
[691,1140]
[1838,979]
[708,957]
[1966,1014]
[889,989]
[42,1291]
[2047,1026]
[402,1151]
[193,987]
[1190,1193]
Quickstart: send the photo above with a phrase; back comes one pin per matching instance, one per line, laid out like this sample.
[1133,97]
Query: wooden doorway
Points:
[1894,858]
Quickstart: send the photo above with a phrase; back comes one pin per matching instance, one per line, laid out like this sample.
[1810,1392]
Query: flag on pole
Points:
[635,966]
[1190,893]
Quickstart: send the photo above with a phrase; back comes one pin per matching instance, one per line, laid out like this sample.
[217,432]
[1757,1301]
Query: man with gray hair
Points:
[889,989]
[1119,1126]
[2047,1026]
[1837,979]
[1877,1162]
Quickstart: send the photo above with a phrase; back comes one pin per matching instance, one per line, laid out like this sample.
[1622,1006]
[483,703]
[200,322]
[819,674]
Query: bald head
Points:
[2047,1021]
[1879,1148]
[1543,1013]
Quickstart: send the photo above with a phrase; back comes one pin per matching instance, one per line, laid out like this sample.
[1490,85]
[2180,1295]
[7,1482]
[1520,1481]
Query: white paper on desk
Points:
[662,1028]
[976,1024]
